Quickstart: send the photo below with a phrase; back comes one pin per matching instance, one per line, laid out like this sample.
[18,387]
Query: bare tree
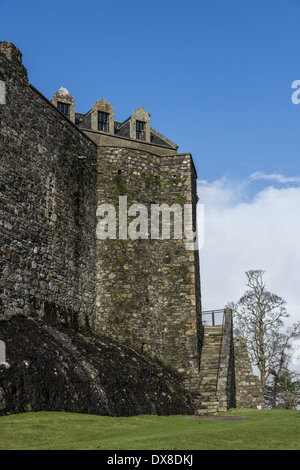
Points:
[259,318]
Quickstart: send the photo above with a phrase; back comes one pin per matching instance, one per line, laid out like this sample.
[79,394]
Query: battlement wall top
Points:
[14,55]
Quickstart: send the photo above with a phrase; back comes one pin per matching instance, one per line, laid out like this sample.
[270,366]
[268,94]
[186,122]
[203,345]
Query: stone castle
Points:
[57,168]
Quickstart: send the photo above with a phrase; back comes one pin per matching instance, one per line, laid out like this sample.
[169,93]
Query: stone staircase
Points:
[209,366]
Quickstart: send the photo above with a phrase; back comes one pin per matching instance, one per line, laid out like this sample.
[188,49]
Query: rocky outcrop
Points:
[55,368]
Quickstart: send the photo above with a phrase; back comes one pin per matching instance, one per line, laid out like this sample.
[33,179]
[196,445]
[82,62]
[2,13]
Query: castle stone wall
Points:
[47,205]
[148,290]
[142,291]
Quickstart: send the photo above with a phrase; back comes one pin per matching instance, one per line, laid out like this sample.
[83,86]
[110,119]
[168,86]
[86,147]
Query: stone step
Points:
[209,370]
[203,412]
[213,329]
[208,388]
[207,411]
[215,352]
[214,335]
[211,366]
[210,405]
[207,377]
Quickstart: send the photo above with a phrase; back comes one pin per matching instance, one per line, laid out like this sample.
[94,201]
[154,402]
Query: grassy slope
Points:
[265,430]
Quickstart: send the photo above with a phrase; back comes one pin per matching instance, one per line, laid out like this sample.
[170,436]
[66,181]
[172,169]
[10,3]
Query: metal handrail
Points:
[213,315]
[213,310]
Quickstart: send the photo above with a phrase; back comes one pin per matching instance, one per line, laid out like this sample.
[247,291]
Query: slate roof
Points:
[122,129]
[84,121]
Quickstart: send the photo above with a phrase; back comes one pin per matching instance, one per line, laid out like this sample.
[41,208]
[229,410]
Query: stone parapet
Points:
[249,393]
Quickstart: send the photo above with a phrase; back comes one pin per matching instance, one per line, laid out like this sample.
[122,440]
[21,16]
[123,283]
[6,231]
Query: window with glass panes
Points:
[64,108]
[140,130]
[103,122]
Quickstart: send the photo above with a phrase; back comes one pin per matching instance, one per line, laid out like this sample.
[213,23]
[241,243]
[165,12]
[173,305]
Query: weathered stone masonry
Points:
[55,171]
[148,291]
[144,293]
[47,205]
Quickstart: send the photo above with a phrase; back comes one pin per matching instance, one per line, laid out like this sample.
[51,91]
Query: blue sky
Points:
[216,78]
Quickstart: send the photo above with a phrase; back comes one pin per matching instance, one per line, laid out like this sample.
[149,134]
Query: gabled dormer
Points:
[135,131]
[140,125]
[65,103]
[103,117]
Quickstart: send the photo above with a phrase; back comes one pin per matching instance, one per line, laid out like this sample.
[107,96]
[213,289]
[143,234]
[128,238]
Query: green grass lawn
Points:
[264,430]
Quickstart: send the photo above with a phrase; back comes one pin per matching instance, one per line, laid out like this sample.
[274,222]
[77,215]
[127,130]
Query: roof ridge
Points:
[124,122]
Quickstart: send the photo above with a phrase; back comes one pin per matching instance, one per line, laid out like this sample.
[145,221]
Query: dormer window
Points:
[64,108]
[103,117]
[65,103]
[140,125]
[103,122]
[140,130]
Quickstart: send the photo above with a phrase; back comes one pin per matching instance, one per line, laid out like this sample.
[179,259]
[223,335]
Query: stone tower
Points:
[148,284]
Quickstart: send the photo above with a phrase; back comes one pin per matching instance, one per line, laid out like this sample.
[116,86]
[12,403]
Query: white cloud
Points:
[263,233]
[260,175]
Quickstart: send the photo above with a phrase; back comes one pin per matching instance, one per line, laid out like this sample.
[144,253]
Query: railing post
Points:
[213,318]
